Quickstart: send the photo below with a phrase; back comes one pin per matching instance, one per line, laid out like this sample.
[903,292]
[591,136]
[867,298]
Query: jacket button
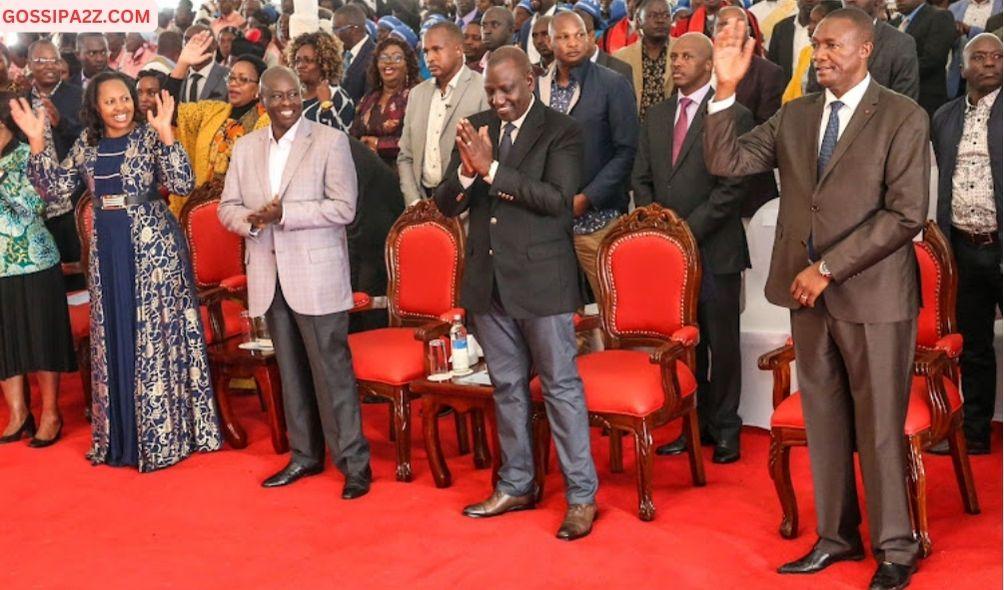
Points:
[814,208]
[494,220]
[491,252]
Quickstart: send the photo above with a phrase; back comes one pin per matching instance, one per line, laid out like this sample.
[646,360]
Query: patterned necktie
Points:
[680,129]
[830,137]
[193,87]
[506,145]
[347,59]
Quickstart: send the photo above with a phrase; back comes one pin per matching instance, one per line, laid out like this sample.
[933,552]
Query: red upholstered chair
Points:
[425,258]
[935,408]
[650,274]
[80,315]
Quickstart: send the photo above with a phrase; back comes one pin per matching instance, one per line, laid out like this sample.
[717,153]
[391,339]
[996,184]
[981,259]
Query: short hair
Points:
[552,25]
[169,43]
[85,36]
[968,48]
[40,42]
[643,5]
[861,21]
[450,28]
[511,54]
[353,14]
[509,19]
[829,6]
[266,76]
[160,76]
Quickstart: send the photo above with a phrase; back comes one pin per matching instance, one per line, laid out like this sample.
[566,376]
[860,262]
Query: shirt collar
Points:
[986,101]
[204,72]
[595,55]
[288,136]
[852,97]
[34,91]
[518,123]
[698,95]
[358,47]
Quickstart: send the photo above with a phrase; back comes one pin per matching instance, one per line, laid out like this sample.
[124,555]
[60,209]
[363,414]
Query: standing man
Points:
[933,32]
[516,170]
[435,106]
[649,55]
[541,8]
[602,101]
[467,13]
[496,31]
[790,35]
[670,170]
[350,26]
[291,192]
[843,262]
[474,46]
[541,41]
[92,52]
[206,80]
[967,144]
[591,13]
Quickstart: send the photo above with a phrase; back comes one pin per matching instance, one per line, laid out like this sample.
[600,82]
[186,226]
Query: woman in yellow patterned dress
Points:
[208,129]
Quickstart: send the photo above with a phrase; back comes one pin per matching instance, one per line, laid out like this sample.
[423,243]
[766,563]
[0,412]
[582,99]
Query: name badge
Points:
[112,202]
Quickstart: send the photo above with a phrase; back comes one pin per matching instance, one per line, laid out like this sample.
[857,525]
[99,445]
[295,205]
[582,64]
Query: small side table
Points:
[464,398]
[227,361]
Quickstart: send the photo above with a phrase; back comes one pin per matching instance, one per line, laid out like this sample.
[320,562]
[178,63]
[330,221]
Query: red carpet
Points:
[206,523]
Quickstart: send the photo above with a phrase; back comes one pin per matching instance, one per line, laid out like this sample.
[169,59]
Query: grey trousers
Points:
[855,383]
[512,346]
[319,392]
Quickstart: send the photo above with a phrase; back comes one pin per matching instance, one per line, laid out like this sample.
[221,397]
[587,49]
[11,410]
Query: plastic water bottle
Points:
[458,345]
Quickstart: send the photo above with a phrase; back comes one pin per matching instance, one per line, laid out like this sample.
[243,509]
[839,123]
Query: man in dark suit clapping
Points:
[670,170]
[516,169]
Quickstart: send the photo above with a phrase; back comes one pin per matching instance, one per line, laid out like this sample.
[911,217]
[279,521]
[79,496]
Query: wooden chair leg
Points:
[616,451]
[392,433]
[779,463]
[963,470]
[482,456]
[232,430]
[645,460]
[917,484]
[401,407]
[270,389]
[692,431]
[463,436]
[430,426]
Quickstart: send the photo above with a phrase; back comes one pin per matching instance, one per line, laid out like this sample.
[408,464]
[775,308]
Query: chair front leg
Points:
[779,464]
[917,484]
[692,431]
[645,459]
[616,451]
[960,461]
[401,409]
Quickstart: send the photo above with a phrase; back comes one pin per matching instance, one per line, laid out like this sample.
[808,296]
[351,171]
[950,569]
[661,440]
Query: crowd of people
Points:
[541,123]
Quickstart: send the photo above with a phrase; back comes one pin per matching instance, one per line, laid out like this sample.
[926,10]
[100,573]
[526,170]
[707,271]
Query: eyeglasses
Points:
[45,61]
[276,97]
[341,30]
[240,80]
[391,59]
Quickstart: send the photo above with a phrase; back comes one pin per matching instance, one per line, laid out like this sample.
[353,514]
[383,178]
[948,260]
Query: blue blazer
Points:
[946,133]
[607,112]
[354,79]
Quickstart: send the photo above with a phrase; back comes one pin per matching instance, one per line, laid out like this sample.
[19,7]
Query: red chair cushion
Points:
[233,323]
[387,355]
[931,286]
[80,321]
[216,252]
[623,382]
[425,270]
[647,302]
[918,416]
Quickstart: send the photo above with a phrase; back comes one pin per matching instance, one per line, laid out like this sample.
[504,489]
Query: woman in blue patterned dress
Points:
[34,322]
[153,402]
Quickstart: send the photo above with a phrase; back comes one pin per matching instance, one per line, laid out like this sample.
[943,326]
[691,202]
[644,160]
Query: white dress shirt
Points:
[278,154]
[355,51]
[697,97]
[199,84]
[467,181]
[432,166]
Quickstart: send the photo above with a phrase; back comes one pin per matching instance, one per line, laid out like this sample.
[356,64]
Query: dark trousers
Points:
[976,308]
[855,382]
[512,346]
[318,387]
[719,360]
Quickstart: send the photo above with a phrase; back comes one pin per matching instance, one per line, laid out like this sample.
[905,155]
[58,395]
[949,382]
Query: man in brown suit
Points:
[851,201]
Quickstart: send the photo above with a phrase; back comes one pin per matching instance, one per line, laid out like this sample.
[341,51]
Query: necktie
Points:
[825,152]
[347,58]
[680,130]
[506,144]
[193,87]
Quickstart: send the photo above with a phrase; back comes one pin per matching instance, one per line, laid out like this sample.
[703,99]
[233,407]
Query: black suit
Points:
[979,266]
[760,92]
[618,65]
[779,50]
[711,205]
[355,79]
[933,30]
[520,288]
[378,206]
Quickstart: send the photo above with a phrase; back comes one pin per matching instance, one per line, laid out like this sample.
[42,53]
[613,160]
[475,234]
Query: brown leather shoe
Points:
[578,521]
[499,503]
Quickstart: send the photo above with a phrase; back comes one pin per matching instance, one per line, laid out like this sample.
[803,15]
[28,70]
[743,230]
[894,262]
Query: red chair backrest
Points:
[424,252]
[649,270]
[936,317]
[216,252]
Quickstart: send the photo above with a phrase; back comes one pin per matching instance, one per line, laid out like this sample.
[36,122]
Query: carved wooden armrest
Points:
[666,356]
[688,336]
[235,284]
[935,365]
[585,323]
[778,361]
[950,344]
[432,330]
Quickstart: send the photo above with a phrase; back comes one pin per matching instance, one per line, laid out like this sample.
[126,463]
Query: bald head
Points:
[511,55]
[282,96]
[509,82]
[274,74]
[690,62]
[568,18]
[497,27]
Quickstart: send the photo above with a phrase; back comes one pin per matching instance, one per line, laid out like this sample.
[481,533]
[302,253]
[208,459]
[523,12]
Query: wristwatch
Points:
[824,270]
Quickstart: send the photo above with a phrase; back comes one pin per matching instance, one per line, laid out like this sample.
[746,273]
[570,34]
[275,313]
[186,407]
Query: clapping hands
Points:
[270,213]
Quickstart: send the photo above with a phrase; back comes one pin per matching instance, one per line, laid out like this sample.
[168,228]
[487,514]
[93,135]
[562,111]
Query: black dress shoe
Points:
[679,446]
[27,428]
[726,451]
[41,443]
[291,473]
[892,576]
[357,485]
[817,560]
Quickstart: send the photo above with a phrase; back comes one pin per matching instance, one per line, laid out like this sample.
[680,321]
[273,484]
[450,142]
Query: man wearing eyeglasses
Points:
[206,80]
[61,101]
[350,26]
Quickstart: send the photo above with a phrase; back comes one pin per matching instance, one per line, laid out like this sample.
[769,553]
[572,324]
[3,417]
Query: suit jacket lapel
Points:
[455,100]
[669,124]
[813,115]
[421,122]
[861,116]
[529,132]
[694,131]
[261,162]
[301,143]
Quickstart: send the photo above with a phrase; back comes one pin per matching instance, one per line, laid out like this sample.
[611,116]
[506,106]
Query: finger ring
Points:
[468,142]
[804,297]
